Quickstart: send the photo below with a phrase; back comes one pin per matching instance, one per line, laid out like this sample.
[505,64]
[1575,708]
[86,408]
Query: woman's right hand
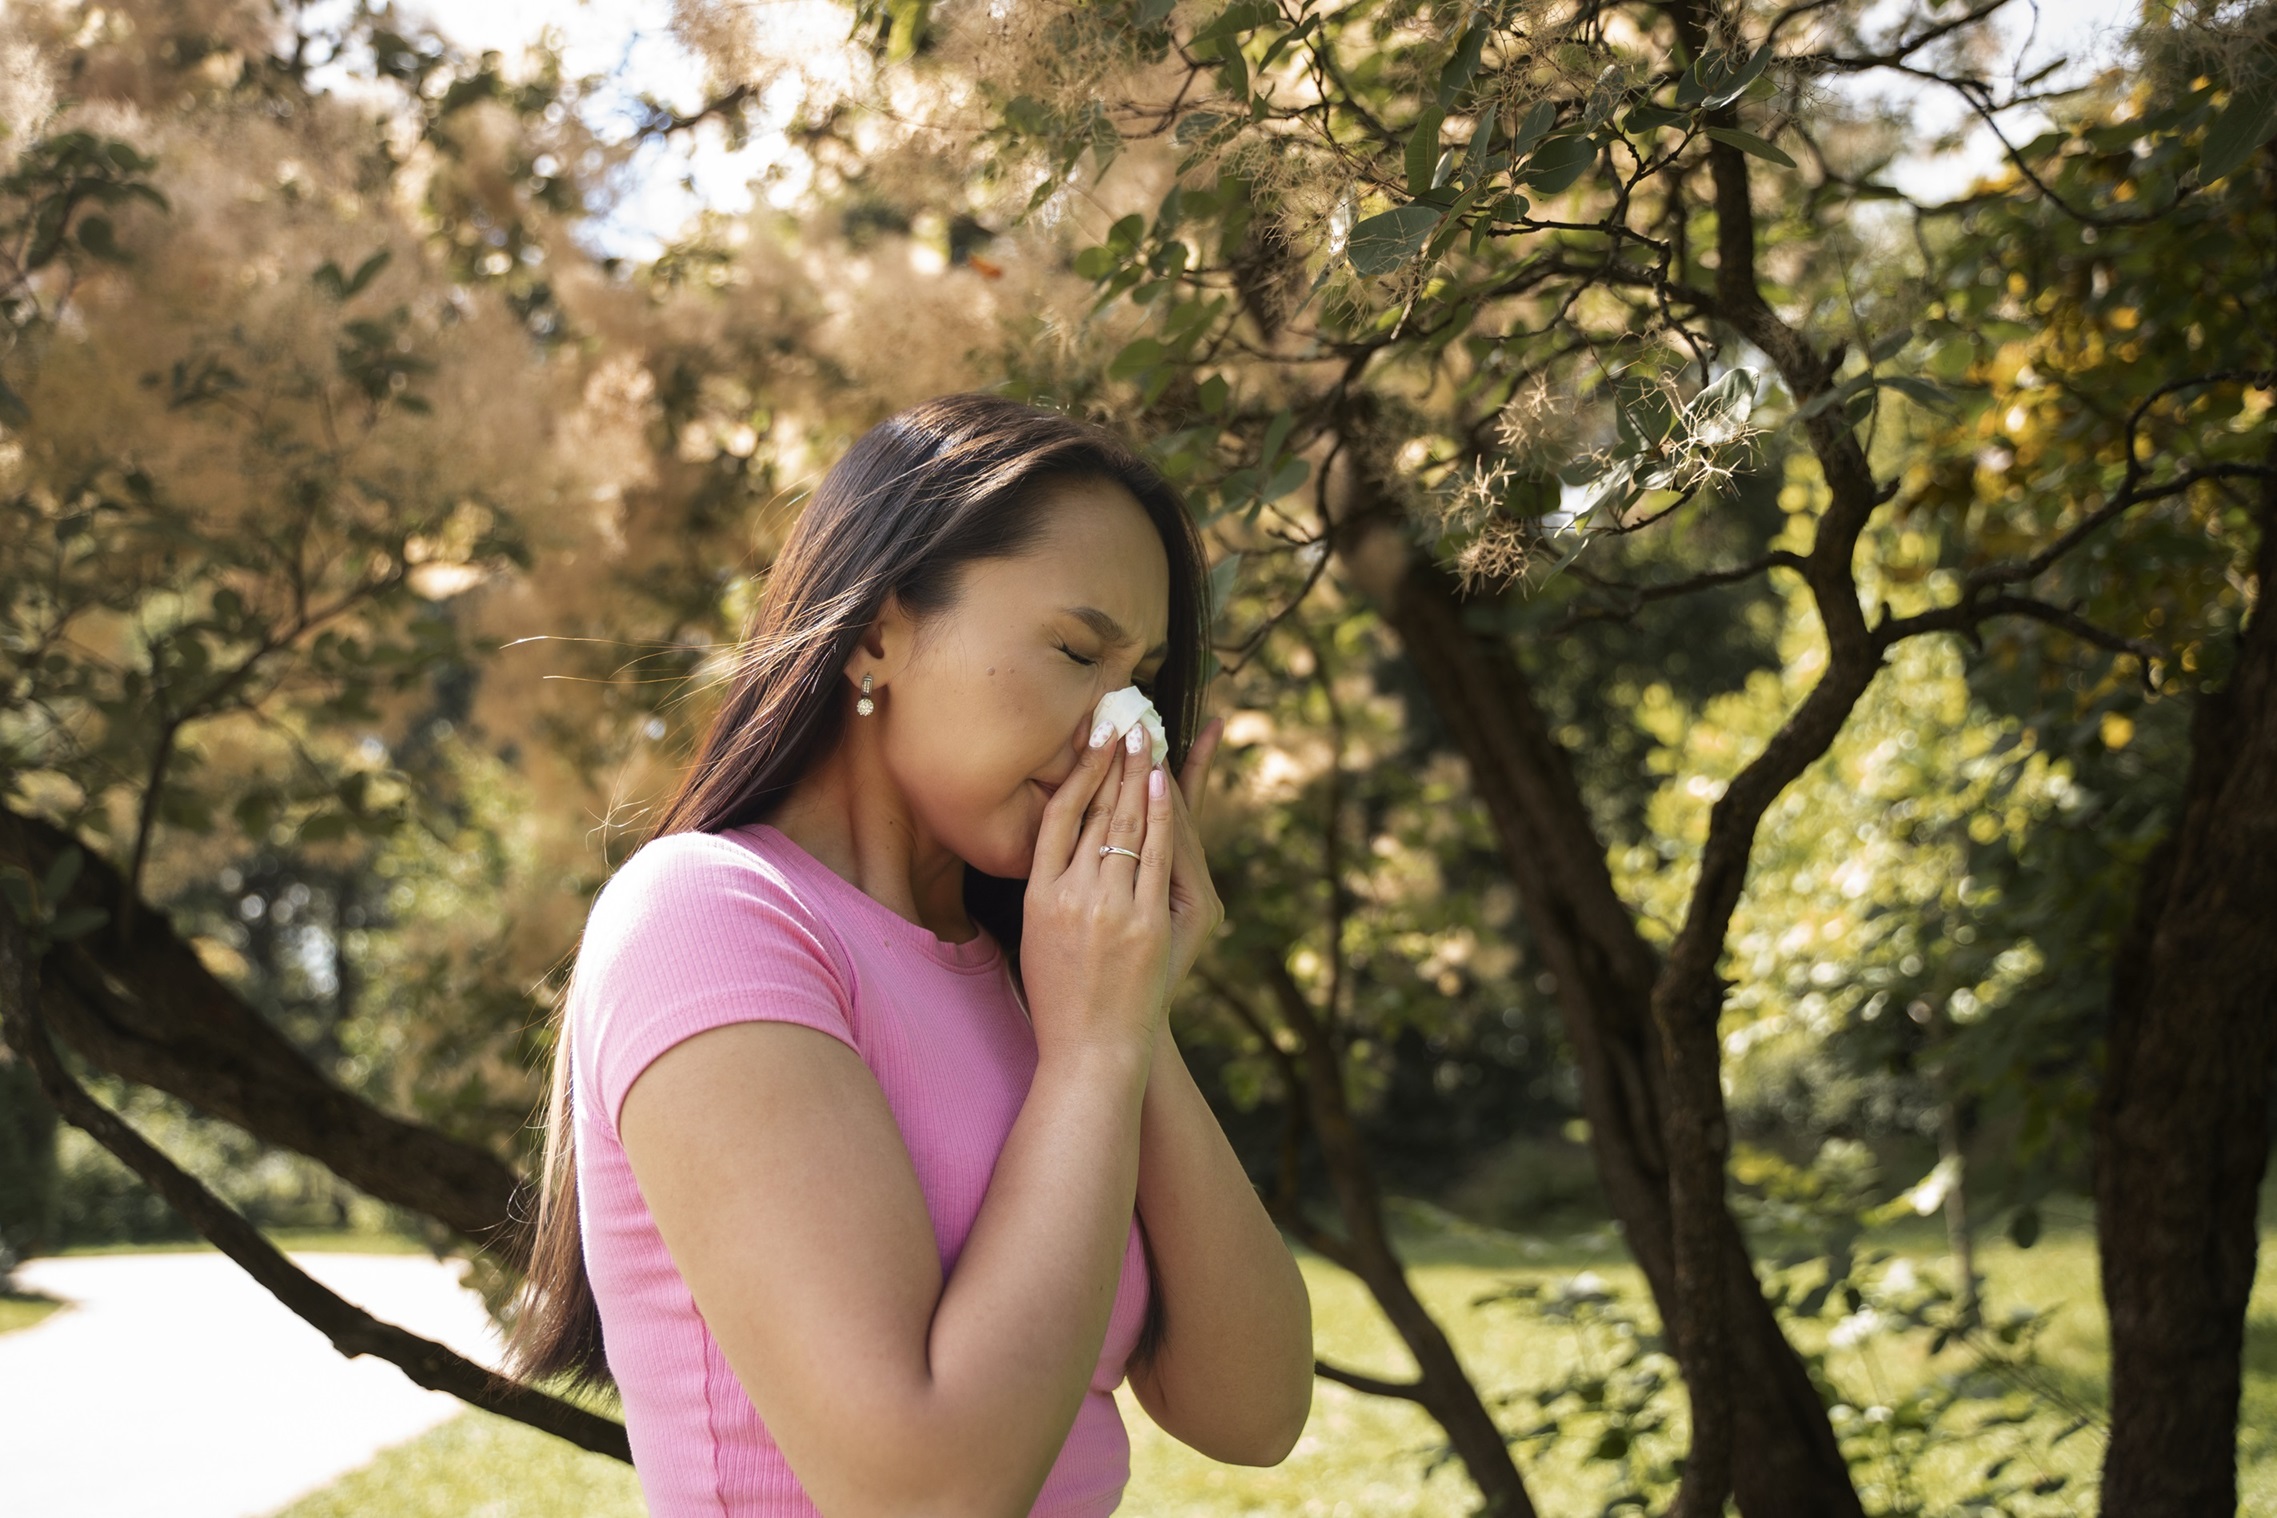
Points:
[1095,936]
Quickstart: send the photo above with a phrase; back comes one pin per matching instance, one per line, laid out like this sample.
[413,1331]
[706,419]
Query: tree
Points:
[1591,349]
[1347,863]
[1419,260]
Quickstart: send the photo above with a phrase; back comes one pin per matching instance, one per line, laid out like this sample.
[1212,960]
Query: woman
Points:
[870,1159]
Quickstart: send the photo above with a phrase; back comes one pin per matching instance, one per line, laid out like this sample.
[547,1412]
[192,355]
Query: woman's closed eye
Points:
[1145,683]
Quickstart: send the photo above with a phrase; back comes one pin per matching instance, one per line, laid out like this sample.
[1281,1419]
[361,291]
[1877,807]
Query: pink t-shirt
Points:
[697,930]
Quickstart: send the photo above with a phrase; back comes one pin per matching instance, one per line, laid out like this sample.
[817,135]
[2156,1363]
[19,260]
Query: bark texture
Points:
[147,1009]
[2182,1124]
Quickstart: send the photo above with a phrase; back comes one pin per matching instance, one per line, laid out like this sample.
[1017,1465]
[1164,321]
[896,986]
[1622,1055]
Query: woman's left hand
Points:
[1195,910]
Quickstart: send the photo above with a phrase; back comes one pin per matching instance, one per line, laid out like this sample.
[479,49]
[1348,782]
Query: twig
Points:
[1406,1391]
[1639,596]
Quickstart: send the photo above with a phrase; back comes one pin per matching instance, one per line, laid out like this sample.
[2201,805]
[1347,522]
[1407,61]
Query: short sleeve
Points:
[692,933]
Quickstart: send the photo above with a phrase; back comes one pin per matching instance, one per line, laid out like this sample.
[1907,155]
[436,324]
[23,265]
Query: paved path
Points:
[174,1387]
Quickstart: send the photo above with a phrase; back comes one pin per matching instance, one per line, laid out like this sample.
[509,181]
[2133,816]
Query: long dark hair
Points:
[947,483]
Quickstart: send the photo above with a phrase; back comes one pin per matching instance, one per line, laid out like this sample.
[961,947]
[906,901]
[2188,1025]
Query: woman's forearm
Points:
[1016,1338]
[782,1187]
[1233,1374]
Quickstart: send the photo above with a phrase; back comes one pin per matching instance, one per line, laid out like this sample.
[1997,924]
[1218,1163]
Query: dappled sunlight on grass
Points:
[1364,1456]
[479,1465]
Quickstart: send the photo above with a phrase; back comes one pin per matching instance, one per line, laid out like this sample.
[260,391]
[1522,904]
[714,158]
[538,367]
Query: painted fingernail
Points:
[1101,733]
[1134,739]
[1157,782]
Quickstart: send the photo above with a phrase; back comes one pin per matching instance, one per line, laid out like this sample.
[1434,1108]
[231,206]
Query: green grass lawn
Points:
[1363,1456]
[292,1240]
[23,1311]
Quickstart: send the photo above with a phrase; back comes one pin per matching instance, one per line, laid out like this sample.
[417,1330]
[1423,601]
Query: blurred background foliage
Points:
[371,538]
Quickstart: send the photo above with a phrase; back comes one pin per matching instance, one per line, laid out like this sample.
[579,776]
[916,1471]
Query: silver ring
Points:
[1115,848]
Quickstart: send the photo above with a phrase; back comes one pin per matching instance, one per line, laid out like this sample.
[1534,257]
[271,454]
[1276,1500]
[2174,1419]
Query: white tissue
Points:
[1121,708]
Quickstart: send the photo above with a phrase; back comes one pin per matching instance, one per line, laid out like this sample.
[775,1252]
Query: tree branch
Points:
[1966,616]
[152,1012]
[1406,1391]
[659,121]
[1639,596]
[351,1330]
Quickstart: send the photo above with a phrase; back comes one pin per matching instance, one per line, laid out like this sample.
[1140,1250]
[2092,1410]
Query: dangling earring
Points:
[865,706]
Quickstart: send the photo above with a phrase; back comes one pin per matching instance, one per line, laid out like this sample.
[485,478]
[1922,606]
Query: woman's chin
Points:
[1010,859]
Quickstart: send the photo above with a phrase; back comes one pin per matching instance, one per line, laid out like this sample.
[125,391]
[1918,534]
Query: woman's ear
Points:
[884,647]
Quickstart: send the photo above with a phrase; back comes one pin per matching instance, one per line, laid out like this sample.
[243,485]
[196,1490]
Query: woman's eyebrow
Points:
[1110,630]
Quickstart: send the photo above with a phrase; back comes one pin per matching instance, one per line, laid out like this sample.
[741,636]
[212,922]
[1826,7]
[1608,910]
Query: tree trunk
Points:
[1785,1463]
[1953,1125]
[27,1165]
[151,1012]
[1442,1387]
[2182,1122]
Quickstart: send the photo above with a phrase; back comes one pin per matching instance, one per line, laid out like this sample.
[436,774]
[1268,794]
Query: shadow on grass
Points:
[23,1309]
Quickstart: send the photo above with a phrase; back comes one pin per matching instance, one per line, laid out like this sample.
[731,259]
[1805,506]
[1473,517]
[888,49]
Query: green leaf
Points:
[1276,433]
[1136,358]
[1291,474]
[324,827]
[1462,65]
[76,923]
[1240,17]
[99,237]
[1233,73]
[2024,1227]
[1423,149]
[1607,495]
[1533,129]
[1287,40]
[1222,575]
[1212,394]
[366,272]
[62,873]
[1719,413]
[1482,136]
[1095,263]
[1724,93]
[1748,142]
[1920,391]
[1383,242]
[1028,115]
[1558,162]
[2244,124]
[910,19]
[1195,127]
[1170,212]
[1648,117]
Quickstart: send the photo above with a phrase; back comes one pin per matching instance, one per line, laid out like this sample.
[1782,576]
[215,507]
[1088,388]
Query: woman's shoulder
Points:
[685,865]
[713,892]
[693,931]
